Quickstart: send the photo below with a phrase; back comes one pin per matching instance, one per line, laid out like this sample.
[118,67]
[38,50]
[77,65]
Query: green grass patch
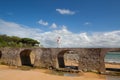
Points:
[25,68]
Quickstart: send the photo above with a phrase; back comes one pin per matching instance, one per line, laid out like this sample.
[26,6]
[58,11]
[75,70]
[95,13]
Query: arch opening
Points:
[27,58]
[68,59]
[112,61]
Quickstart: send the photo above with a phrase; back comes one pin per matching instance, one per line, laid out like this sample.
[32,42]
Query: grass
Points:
[2,63]
[25,68]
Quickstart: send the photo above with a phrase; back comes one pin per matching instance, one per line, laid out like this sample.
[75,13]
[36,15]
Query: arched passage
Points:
[112,60]
[68,59]
[27,57]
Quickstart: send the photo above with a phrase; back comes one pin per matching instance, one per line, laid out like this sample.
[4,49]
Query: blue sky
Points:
[89,18]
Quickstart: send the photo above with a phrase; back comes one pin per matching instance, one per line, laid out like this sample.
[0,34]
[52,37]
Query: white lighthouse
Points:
[58,41]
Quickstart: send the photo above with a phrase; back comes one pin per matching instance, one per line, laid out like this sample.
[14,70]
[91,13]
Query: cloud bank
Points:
[65,11]
[68,38]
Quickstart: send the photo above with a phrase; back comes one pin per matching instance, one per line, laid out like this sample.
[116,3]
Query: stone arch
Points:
[26,57]
[61,61]
[111,57]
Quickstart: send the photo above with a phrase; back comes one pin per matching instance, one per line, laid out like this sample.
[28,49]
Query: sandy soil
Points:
[7,73]
[111,65]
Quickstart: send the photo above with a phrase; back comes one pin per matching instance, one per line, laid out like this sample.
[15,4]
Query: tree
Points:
[14,41]
[29,41]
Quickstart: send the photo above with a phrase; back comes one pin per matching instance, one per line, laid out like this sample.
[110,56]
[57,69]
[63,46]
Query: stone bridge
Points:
[90,59]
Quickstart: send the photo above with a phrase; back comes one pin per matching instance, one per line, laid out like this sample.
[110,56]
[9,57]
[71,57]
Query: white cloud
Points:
[64,27]
[43,22]
[11,28]
[87,23]
[65,11]
[53,26]
[68,39]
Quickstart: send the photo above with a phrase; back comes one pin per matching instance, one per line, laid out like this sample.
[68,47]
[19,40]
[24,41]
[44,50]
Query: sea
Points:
[112,57]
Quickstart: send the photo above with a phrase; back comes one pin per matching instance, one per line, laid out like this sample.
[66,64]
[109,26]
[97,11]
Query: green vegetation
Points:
[14,41]
[25,68]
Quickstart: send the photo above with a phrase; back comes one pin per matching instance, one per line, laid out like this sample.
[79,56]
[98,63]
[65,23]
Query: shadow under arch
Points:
[0,54]
[61,60]
[25,57]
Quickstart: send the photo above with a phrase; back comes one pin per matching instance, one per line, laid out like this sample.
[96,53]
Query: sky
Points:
[78,23]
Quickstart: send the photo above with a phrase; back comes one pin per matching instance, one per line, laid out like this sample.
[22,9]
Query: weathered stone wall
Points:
[43,58]
[9,56]
[90,59]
